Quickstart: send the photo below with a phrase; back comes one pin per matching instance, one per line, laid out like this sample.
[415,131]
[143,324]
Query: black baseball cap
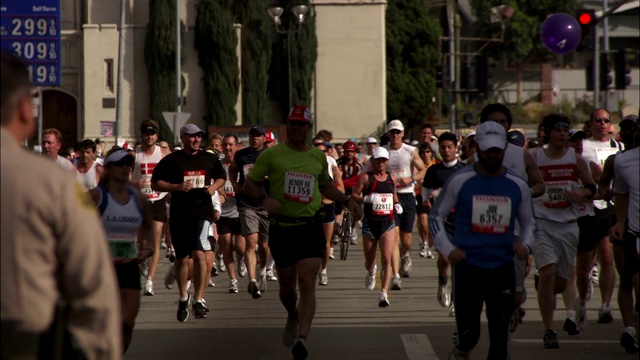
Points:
[259,129]
[149,126]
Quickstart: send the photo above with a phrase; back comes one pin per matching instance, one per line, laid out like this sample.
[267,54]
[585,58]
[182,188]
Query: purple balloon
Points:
[560,33]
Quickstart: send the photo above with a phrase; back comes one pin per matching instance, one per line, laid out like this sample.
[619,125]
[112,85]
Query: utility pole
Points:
[178,76]
[605,48]
[118,124]
[451,10]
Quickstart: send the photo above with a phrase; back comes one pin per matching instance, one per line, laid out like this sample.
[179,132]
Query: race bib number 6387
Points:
[491,214]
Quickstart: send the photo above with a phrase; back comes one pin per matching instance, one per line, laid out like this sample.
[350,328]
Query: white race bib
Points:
[195,177]
[491,214]
[382,204]
[246,168]
[298,187]
[554,194]
[145,187]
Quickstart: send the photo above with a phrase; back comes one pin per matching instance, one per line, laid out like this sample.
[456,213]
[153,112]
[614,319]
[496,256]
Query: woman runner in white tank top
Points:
[124,210]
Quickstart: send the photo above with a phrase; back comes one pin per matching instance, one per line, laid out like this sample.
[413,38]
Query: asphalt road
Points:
[348,323]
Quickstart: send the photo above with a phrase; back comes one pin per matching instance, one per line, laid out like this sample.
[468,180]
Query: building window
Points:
[108,75]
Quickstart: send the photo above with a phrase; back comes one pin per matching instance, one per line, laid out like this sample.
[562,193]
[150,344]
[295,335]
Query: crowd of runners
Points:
[489,205]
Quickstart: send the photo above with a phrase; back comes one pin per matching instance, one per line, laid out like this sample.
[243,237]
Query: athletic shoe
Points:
[290,332]
[324,279]
[170,278]
[452,310]
[163,245]
[550,340]
[604,314]
[214,270]
[183,309]
[254,290]
[628,340]
[199,309]
[331,256]
[171,255]
[370,280]
[144,268]
[262,283]
[271,275]
[458,355]
[204,305]
[589,291]
[242,268]
[211,283]
[431,253]
[581,313]
[443,295]
[396,283]
[594,275]
[299,350]
[406,265]
[423,249]
[335,239]
[220,262]
[571,327]
[354,238]
[383,301]
[233,287]
[514,321]
[148,288]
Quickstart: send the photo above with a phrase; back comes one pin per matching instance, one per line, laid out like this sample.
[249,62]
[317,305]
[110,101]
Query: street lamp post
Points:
[299,13]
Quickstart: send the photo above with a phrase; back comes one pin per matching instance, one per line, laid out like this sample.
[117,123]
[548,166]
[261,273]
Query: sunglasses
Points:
[602,120]
[395,132]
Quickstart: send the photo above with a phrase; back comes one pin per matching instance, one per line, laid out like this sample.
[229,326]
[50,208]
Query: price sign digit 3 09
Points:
[31,30]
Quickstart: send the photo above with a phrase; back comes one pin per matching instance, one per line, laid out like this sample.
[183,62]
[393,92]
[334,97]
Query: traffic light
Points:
[605,72]
[587,20]
[482,73]
[589,75]
[623,71]
[439,77]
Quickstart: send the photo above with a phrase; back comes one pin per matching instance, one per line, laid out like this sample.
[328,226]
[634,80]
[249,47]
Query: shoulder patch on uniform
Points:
[82,197]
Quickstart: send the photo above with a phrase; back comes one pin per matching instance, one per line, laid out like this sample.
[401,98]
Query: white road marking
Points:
[563,341]
[417,346]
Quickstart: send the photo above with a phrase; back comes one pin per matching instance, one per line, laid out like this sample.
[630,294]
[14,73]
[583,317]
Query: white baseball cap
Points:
[380,152]
[372,140]
[395,125]
[489,135]
[117,156]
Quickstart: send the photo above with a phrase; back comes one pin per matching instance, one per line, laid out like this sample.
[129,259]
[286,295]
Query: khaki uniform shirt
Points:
[53,246]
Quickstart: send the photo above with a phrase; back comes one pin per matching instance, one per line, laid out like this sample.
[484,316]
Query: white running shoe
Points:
[431,253]
[170,278]
[396,283]
[242,268]
[370,280]
[354,238]
[335,239]
[144,268]
[262,282]
[331,256]
[233,286]
[324,279]
[443,295]
[163,245]
[406,265]
[594,275]
[220,263]
[271,275]
[423,249]
[452,310]
[148,288]
[383,301]
[211,283]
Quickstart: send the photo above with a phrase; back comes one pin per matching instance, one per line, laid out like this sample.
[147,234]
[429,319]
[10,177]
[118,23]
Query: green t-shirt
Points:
[294,178]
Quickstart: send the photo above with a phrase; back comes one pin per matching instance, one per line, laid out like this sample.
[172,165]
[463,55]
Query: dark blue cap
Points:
[515,137]
[259,129]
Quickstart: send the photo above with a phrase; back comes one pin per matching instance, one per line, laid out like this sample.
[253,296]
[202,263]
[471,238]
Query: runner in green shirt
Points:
[297,176]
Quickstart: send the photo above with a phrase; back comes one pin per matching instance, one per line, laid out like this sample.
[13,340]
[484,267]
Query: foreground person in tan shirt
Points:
[54,254]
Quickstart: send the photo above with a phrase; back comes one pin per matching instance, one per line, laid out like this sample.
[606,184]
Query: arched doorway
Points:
[60,111]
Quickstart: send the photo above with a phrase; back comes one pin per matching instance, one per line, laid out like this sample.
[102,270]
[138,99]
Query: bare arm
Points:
[337,175]
[585,178]
[533,173]
[604,184]
[233,177]
[356,194]
[419,165]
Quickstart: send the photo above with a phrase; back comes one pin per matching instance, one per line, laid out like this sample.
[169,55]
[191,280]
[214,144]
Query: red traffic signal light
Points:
[585,18]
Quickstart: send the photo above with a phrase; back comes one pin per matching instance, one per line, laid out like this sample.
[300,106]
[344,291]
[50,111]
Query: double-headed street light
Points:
[299,13]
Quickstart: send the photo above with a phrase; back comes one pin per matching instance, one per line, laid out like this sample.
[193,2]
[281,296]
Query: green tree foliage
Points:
[522,45]
[256,58]
[216,41]
[304,53]
[159,57]
[412,42]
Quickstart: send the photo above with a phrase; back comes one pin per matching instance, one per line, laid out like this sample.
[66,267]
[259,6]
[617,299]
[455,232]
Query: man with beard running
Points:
[192,176]
[254,220]
[488,199]
[148,155]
